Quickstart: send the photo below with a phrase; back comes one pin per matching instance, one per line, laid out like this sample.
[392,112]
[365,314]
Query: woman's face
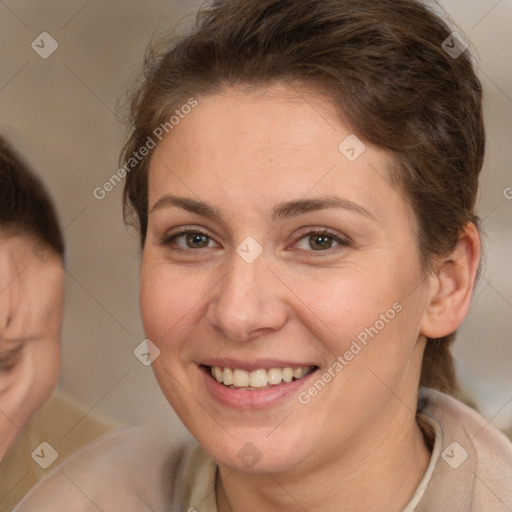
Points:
[272,252]
[31,309]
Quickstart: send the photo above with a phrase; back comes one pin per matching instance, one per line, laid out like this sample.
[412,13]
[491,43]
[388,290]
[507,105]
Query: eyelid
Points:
[9,360]
[170,236]
[342,240]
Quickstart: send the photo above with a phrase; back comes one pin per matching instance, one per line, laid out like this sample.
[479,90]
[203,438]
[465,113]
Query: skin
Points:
[31,311]
[356,444]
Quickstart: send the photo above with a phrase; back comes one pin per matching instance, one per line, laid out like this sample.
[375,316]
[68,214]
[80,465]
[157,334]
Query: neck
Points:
[380,474]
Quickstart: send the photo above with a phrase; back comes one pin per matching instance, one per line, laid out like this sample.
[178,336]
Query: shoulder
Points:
[457,419]
[476,460]
[135,468]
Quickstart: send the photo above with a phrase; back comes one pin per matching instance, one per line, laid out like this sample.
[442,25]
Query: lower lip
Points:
[247,400]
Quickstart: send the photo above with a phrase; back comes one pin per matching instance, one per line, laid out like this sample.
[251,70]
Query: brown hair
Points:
[25,205]
[382,63]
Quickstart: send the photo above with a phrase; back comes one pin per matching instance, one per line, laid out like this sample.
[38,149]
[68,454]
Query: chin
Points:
[254,458]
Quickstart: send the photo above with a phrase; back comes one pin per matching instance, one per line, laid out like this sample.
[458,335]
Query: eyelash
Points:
[10,360]
[343,242]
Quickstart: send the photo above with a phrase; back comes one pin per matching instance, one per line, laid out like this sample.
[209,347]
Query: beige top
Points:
[66,426]
[137,469]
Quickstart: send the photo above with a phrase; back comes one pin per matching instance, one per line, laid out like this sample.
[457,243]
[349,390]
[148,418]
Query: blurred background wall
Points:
[60,112]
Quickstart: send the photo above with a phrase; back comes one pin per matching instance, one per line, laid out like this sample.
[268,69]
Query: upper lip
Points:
[253,364]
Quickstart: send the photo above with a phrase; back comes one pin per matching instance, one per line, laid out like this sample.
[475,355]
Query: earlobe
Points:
[452,286]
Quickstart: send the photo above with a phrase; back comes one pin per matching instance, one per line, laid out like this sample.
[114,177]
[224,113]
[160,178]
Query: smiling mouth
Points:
[258,380]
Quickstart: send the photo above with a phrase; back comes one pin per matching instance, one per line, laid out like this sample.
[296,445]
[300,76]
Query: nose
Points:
[247,302]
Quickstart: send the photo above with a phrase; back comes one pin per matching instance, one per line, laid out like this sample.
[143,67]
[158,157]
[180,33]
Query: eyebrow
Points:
[281,211]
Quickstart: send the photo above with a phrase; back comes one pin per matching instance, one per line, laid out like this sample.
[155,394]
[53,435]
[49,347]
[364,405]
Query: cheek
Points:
[33,380]
[169,301]
[344,302]
[367,314]
[44,367]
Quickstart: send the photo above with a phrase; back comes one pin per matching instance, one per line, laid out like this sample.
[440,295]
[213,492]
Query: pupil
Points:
[321,242]
[196,239]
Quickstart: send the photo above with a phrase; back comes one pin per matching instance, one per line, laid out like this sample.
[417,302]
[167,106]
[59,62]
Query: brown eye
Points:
[186,240]
[196,240]
[320,242]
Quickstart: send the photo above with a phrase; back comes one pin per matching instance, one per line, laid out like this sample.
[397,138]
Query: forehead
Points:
[268,145]
[25,259]
[260,120]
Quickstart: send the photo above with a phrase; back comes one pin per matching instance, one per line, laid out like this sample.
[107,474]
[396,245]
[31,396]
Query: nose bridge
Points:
[246,300]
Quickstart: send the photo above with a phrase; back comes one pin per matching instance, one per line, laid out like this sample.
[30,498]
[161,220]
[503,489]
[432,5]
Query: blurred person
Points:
[31,313]
[310,247]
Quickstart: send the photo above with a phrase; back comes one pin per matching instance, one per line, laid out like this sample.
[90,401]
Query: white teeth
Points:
[258,379]
[275,376]
[217,373]
[298,372]
[240,378]
[287,374]
[228,376]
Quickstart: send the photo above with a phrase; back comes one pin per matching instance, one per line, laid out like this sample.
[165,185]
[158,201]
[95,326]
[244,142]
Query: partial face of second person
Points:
[248,171]
[31,310]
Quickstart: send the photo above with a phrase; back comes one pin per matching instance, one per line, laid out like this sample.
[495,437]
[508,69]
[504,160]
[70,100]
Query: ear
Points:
[451,286]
